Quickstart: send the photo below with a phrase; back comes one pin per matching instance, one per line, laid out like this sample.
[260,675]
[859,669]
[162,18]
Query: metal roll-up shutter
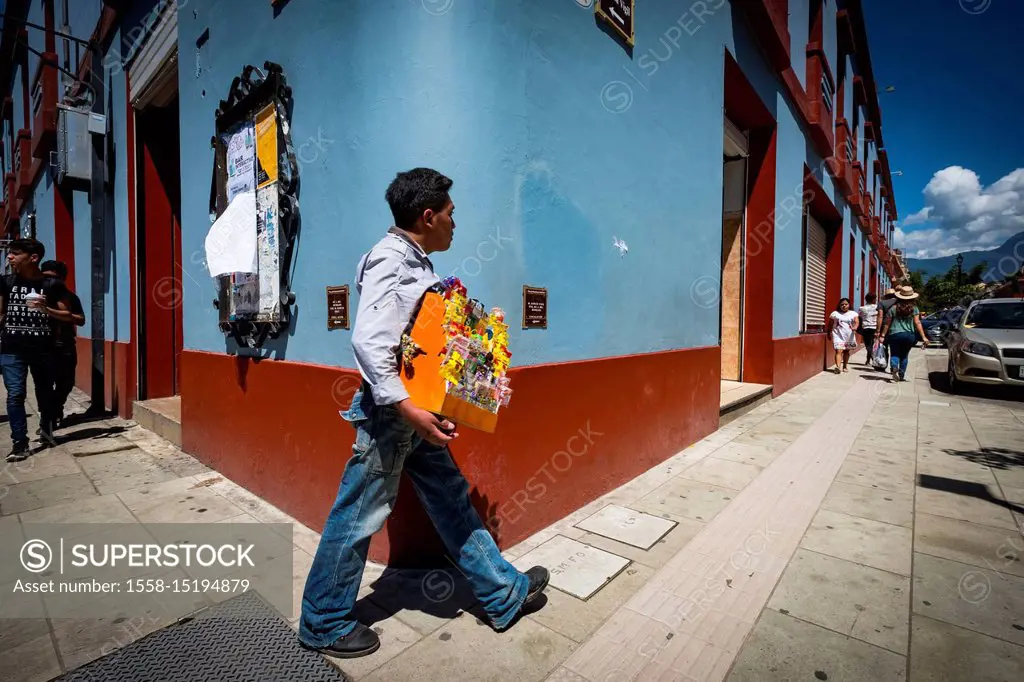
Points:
[153,72]
[814,275]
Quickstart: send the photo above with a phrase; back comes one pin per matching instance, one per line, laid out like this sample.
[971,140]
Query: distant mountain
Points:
[1002,262]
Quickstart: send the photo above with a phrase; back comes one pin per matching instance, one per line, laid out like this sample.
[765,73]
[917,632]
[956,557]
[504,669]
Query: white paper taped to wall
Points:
[231,242]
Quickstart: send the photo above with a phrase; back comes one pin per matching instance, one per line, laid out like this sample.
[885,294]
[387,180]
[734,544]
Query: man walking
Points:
[884,306]
[868,325]
[29,305]
[393,435]
[65,355]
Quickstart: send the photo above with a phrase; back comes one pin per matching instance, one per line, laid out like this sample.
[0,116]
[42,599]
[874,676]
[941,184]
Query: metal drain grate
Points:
[242,639]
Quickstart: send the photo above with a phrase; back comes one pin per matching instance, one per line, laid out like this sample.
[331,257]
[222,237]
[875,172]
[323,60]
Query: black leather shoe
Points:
[539,577]
[360,642]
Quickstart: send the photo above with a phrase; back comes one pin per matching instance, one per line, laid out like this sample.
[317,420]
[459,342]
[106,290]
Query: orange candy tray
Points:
[427,388]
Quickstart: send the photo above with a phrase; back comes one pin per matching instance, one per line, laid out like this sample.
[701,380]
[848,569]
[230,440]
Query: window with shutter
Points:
[815,245]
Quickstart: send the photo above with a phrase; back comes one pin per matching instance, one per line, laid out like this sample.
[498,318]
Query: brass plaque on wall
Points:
[535,308]
[337,307]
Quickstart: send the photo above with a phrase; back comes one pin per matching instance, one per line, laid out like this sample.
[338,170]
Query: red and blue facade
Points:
[560,139]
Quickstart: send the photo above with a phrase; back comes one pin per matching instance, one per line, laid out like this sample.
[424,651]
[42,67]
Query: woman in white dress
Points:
[842,325]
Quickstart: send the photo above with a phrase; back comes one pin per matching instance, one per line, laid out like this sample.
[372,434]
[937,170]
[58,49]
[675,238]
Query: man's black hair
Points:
[870,298]
[55,266]
[29,246]
[412,192]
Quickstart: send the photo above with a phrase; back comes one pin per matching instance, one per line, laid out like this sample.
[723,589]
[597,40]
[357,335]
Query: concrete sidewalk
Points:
[851,529]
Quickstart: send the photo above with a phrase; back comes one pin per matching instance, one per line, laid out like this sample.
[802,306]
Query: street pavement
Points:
[851,529]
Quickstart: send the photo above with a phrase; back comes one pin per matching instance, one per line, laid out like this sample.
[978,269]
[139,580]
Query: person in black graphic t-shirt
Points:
[65,355]
[29,305]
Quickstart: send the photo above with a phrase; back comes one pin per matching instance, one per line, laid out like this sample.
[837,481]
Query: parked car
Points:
[938,325]
[987,345]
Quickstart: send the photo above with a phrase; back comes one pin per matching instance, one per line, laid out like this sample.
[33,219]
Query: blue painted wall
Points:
[117,302]
[118,298]
[799,35]
[43,202]
[848,92]
[83,258]
[828,34]
[405,94]
[18,97]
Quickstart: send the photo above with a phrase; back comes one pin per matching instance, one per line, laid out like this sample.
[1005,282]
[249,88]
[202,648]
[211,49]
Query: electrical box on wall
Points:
[74,148]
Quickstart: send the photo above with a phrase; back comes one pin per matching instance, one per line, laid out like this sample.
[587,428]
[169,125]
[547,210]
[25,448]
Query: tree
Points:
[945,291]
[977,273]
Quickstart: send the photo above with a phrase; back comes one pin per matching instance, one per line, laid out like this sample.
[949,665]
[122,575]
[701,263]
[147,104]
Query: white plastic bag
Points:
[878,359]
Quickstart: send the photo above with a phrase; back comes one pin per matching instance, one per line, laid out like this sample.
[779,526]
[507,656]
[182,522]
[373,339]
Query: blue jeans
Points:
[900,345]
[15,368]
[385,446]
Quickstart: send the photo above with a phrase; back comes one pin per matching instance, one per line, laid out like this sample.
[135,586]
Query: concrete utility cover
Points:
[935,403]
[576,568]
[627,526]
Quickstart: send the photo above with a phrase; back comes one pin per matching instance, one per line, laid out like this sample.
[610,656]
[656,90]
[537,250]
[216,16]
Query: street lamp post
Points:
[960,269]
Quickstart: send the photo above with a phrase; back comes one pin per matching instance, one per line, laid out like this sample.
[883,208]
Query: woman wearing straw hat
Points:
[903,327]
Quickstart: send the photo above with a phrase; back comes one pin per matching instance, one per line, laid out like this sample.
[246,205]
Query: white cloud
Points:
[962,215]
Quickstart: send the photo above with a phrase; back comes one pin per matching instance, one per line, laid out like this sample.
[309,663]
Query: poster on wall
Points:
[241,160]
[269,252]
[266,146]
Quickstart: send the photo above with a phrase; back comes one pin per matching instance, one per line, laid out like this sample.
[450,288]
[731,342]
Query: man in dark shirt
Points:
[65,356]
[29,304]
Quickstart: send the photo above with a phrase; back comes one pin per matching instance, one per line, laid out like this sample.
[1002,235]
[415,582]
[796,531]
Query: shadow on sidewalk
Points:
[965,488]
[90,433]
[995,458]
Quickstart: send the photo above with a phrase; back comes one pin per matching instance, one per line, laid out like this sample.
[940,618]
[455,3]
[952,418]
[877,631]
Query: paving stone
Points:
[941,652]
[89,447]
[466,649]
[875,475]
[963,506]
[423,599]
[48,463]
[577,619]
[1010,478]
[143,495]
[101,509]
[784,648]
[865,603]
[576,568]
[113,472]
[11,536]
[658,555]
[196,506]
[982,546]
[20,622]
[681,497]
[628,526]
[944,465]
[32,661]
[758,455]
[23,497]
[248,502]
[720,472]
[395,637]
[870,503]
[872,543]
[982,600]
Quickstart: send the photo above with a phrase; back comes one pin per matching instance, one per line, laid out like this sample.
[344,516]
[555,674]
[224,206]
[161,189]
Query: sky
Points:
[953,123]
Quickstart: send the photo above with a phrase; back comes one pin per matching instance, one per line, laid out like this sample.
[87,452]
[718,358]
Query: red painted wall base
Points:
[117,358]
[797,359]
[573,432]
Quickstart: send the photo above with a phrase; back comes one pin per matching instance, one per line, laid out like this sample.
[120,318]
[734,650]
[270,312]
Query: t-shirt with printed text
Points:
[25,329]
